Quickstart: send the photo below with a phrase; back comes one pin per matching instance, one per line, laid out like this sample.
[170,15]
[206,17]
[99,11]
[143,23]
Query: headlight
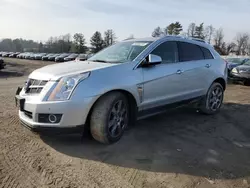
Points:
[65,87]
[235,70]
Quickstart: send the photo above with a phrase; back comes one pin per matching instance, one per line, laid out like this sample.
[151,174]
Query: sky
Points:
[40,19]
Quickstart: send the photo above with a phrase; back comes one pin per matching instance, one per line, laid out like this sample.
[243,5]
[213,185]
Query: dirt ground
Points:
[178,149]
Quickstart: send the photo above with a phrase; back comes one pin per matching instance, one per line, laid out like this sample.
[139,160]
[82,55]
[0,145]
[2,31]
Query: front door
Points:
[162,83]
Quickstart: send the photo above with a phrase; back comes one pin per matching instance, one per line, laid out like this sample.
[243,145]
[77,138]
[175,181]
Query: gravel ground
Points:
[178,149]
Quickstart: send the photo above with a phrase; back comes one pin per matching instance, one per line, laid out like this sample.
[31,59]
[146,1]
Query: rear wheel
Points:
[212,102]
[246,82]
[109,118]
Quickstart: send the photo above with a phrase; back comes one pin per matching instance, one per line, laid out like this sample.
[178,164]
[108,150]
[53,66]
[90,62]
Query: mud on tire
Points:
[105,114]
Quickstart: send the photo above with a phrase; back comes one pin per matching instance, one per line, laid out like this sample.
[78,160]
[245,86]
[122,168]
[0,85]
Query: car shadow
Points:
[8,74]
[180,141]
[13,70]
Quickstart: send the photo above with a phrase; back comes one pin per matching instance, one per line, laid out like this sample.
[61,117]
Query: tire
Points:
[107,124]
[246,82]
[212,102]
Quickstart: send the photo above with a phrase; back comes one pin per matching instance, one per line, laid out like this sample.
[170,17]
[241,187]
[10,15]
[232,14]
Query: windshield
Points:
[235,60]
[121,52]
[247,62]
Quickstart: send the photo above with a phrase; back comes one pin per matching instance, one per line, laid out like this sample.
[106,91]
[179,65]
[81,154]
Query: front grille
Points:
[35,86]
[28,114]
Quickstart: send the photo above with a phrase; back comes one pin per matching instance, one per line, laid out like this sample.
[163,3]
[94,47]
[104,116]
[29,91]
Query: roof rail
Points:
[185,37]
[197,39]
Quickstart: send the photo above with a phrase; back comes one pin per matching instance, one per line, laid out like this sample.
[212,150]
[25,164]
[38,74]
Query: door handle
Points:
[179,72]
[208,65]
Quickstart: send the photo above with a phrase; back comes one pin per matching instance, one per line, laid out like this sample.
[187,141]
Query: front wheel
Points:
[212,102]
[109,118]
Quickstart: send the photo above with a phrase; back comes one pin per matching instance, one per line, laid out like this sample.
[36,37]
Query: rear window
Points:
[207,53]
[190,52]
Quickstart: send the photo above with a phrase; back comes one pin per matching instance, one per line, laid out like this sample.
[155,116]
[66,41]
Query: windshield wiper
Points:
[101,61]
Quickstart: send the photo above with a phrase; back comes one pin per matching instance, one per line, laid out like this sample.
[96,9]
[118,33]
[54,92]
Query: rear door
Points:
[195,62]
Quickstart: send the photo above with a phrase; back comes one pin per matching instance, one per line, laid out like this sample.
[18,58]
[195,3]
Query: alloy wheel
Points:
[118,119]
[215,98]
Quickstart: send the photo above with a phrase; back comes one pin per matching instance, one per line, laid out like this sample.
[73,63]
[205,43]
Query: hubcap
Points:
[117,119]
[215,98]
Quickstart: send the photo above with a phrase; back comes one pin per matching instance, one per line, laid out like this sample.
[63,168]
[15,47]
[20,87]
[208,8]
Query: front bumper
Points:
[54,130]
[59,60]
[73,113]
[239,76]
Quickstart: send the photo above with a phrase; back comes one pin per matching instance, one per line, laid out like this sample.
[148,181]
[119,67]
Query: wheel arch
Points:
[132,106]
[221,81]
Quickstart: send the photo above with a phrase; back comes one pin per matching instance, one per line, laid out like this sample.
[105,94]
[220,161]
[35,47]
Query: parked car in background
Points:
[45,57]
[71,57]
[27,55]
[81,57]
[14,55]
[61,57]
[241,73]
[7,54]
[53,57]
[21,55]
[234,62]
[1,53]
[2,64]
[89,55]
[127,81]
[39,56]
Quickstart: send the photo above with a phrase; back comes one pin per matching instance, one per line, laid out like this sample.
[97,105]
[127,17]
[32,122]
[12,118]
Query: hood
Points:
[56,71]
[232,65]
[244,67]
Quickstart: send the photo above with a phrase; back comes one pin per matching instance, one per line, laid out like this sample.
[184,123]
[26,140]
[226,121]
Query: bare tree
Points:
[248,49]
[219,43]
[191,30]
[157,32]
[230,48]
[218,37]
[109,37]
[242,43]
[209,31]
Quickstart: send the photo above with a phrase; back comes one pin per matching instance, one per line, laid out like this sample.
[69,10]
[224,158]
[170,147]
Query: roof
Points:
[144,39]
[176,37]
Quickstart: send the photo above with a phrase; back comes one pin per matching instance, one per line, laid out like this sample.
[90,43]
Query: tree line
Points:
[61,44]
[240,45]
[77,43]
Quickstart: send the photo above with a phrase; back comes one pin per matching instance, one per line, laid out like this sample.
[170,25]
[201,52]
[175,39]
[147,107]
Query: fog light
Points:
[52,118]
[49,118]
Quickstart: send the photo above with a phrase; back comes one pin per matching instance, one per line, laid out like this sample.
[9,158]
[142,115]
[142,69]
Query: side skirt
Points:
[161,109]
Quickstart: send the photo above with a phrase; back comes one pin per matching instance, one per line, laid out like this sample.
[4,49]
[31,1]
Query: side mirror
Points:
[154,59]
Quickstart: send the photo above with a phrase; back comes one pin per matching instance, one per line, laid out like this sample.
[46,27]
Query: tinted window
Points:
[207,53]
[168,51]
[189,52]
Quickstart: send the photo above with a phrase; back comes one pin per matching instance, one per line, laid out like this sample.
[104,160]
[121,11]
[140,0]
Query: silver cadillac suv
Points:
[130,80]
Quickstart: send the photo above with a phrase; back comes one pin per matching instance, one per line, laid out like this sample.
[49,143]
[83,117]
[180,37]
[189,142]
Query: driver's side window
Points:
[168,51]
